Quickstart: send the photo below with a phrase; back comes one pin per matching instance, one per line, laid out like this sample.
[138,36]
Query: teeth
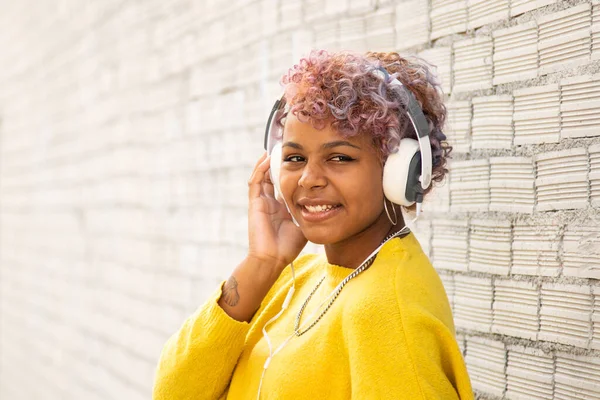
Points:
[319,208]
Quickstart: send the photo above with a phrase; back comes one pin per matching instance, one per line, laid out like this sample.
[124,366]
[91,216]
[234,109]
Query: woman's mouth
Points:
[319,213]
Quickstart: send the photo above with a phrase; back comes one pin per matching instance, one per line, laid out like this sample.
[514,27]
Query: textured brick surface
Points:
[562,179]
[580,106]
[412,24]
[576,377]
[529,374]
[516,53]
[449,244]
[489,249]
[473,64]
[581,251]
[595,29]
[492,125]
[441,59]
[459,125]
[535,249]
[516,309]
[512,184]
[537,115]
[564,38]
[486,360]
[473,303]
[595,175]
[470,185]
[128,131]
[565,314]
[448,16]
[520,6]
[483,12]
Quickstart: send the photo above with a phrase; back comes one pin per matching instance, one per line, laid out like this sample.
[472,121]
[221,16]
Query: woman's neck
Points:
[351,252]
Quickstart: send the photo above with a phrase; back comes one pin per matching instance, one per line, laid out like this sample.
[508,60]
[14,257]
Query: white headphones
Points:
[406,173]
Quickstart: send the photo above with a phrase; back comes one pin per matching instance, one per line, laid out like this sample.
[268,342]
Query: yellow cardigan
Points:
[388,335]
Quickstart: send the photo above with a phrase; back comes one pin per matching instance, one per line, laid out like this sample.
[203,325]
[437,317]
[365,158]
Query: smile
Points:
[315,209]
[319,213]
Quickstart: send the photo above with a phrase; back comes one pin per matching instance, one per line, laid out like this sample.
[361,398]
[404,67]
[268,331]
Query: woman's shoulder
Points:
[418,287]
[403,257]
[404,277]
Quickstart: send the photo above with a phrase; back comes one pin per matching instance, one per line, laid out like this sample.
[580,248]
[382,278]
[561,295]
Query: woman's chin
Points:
[321,235]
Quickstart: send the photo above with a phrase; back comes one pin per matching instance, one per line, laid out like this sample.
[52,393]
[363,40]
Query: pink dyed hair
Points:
[340,89]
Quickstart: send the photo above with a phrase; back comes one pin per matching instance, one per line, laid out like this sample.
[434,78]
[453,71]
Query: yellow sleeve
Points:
[408,350]
[197,362]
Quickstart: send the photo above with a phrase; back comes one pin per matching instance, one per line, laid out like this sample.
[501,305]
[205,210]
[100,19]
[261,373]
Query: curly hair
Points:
[341,89]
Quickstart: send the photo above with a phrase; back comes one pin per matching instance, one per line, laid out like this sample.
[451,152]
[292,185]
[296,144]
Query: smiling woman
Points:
[353,139]
[319,169]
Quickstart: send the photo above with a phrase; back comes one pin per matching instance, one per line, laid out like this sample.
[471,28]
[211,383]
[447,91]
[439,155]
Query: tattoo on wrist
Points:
[230,292]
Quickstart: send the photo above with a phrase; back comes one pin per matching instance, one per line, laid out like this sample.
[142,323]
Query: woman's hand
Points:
[273,237]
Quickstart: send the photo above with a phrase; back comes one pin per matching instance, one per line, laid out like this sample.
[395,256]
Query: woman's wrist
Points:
[247,287]
[269,267]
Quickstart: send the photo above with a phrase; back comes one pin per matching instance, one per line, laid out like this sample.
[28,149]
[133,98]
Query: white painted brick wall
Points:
[515,53]
[565,314]
[470,185]
[473,67]
[492,122]
[459,125]
[441,59]
[529,374]
[486,361]
[535,249]
[512,184]
[473,302]
[123,175]
[564,38]
[447,17]
[516,309]
[449,244]
[412,24]
[576,376]
[489,249]
[537,115]
[562,179]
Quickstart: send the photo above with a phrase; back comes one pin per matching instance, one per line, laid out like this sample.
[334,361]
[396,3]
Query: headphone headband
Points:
[276,111]
[419,123]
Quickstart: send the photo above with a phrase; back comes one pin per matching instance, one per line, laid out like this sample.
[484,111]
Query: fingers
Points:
[267,185]
[258,176]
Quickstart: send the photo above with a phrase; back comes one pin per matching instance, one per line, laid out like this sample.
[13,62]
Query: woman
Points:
[368,320]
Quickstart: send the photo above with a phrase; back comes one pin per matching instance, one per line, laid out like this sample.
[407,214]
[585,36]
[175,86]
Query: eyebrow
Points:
[329,145]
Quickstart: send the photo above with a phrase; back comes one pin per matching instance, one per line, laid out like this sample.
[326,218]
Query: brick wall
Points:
[123,177]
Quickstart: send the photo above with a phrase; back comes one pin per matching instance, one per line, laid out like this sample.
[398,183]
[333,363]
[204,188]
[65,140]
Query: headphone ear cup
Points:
[400,170]
[275,167]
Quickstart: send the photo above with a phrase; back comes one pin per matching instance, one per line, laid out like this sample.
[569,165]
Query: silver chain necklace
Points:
[366,264]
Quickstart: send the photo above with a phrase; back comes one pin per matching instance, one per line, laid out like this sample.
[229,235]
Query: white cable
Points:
[419,209]
[284,306]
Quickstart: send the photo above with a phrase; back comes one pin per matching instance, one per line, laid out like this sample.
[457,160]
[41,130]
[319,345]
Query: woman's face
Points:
[332,184]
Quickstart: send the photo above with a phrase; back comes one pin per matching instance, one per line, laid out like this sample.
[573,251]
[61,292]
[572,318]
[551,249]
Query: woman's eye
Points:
[341,158]
[293,159]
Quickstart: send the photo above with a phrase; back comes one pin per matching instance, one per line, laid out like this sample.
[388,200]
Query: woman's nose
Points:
[312,176]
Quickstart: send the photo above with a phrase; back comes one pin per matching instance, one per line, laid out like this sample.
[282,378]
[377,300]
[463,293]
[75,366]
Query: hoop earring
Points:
[388,213]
